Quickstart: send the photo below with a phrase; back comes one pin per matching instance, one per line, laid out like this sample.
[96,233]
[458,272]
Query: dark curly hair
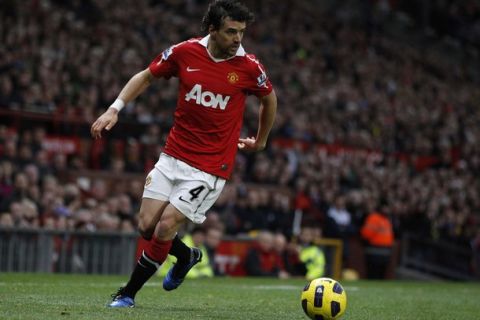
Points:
[218,10]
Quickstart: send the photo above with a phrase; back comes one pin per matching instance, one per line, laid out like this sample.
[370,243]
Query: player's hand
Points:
[106,121]
[250,144]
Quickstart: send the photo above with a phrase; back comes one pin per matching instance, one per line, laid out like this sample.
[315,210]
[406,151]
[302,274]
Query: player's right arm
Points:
[134,87]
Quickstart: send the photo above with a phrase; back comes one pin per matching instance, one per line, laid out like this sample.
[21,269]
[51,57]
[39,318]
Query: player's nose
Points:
[237,38]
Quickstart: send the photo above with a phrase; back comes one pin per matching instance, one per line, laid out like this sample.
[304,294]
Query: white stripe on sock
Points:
[156,264]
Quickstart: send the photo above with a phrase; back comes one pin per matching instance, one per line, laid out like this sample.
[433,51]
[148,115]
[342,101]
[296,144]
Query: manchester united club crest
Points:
[232,77]
[148,181]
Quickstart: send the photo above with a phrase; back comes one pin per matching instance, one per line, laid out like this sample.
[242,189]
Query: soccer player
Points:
[216,75]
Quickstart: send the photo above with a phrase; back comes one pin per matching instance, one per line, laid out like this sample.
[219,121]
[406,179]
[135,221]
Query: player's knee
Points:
[162,228]
[166,229]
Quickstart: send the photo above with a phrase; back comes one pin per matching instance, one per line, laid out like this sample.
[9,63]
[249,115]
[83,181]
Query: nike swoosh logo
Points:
[181,199]
[192,70]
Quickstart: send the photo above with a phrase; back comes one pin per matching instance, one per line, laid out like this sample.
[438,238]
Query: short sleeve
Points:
[165,64]
[260,84]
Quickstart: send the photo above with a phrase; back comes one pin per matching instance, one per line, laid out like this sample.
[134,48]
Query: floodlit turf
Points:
[38,296]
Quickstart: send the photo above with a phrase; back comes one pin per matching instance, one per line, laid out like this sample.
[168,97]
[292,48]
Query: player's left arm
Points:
[268,110]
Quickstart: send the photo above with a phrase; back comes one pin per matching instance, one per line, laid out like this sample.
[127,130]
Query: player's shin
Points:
[148,263]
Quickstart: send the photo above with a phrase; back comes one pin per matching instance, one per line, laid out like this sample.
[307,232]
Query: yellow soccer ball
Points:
[324,299]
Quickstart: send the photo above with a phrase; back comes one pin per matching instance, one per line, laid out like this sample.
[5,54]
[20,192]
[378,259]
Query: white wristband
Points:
[118,105]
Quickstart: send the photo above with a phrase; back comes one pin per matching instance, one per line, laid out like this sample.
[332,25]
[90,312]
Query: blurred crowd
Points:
[404,119]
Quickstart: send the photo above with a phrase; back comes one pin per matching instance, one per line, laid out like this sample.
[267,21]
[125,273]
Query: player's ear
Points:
[212,30]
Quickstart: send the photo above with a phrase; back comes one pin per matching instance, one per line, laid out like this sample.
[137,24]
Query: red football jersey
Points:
[210,104]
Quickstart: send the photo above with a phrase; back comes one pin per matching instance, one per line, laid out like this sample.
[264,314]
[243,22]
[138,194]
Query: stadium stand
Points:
[378,104]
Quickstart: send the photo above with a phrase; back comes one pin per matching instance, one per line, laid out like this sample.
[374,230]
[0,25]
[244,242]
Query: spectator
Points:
[263,260]
[311,254]
[339,224]
[213,237]
[6,220]
[20,191]
[290,255]
[377,232]
[6,184]
[127,226]
[339,220]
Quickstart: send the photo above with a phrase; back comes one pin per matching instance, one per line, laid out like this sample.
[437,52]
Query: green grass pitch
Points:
[40,296]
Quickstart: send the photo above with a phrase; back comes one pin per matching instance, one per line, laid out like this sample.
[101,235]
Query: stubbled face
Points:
[228,38]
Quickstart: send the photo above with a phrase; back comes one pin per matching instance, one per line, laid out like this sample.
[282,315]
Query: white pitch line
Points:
[351,288]
[275,287]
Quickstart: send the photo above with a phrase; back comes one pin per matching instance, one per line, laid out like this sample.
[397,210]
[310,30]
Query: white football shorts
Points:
[190,190]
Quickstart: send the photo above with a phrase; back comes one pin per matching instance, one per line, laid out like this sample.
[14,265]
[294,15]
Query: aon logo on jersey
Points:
[207,98]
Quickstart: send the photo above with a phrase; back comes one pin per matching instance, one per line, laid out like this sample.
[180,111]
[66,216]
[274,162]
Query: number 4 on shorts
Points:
[195,192]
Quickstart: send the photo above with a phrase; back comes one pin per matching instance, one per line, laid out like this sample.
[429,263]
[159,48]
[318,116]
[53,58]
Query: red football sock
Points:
[157,250]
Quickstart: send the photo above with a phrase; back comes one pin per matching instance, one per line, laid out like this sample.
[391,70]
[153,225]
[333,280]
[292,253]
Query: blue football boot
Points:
[121,301]
[177,272]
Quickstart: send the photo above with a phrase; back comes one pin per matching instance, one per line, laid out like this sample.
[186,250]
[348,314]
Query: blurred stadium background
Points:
[379,110]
